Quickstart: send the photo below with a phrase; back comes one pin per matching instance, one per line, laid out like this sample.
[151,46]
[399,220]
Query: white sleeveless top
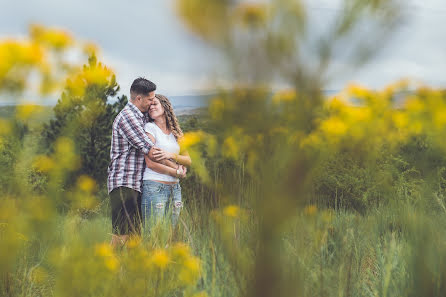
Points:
[165,142]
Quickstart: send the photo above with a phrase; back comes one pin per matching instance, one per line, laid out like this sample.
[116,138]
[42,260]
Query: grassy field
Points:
[393,249]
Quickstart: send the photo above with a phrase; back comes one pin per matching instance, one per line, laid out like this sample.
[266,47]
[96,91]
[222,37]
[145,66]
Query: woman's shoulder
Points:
[150,127]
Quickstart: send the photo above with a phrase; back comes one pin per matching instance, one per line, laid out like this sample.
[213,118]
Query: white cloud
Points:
[145,38]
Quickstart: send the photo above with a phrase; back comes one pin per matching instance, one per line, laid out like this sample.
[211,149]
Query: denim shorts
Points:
[157,200]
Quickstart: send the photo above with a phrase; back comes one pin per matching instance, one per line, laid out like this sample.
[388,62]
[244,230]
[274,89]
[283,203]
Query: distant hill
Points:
[7,111]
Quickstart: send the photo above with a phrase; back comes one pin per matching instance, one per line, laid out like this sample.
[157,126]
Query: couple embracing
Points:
[146,164]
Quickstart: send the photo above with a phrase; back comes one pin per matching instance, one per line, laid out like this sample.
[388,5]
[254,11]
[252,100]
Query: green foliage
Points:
[86,118]
[10,147]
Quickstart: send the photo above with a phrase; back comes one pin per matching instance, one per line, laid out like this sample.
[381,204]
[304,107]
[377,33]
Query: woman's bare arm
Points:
[168,163]
[160,168]
[182,159]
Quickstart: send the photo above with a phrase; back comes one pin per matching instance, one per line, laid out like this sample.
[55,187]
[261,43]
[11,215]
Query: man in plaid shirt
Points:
[129,144]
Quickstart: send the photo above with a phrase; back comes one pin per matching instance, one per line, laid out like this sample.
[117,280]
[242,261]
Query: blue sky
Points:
[144,38]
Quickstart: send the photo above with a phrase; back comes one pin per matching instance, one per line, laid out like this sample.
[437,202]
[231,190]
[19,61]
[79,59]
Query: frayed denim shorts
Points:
[157,200]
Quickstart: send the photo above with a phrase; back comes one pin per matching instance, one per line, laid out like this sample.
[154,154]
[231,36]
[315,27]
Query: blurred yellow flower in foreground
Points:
[230,148]
[191,138]
[216,108]
[44,163]
[181,250]
[25,111]
[358,91]
[231,211]
[190,271]
[57,39]
[112,263]
[400,119]
[64,146]
[160,258]
[86,183]
[99,75]
[133,242]
[103,250]
[334,126]
[209,19]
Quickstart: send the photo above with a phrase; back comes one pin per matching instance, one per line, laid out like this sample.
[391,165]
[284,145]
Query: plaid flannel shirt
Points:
[129,144]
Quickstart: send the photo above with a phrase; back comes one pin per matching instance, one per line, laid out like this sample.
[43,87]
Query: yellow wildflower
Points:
[358,91]
[112,263]
[191,138]
[400,119]
[76,86]
[160,258]
[334,126]
[133,242]
[217,108]
[103,250]
[86,183]
[231,211]
[414,104]
[54,38]
[230,148]
[181,250]
[99,75]
[439,118]
[64,146]
[191,270]
[337,103]
[44,163]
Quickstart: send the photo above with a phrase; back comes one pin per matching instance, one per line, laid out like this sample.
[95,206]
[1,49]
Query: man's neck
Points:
[136,107]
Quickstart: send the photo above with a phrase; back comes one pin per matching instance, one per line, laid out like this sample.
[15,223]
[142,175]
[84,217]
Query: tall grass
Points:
[290,193]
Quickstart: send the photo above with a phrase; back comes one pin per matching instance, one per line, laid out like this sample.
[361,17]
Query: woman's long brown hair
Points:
[171,119]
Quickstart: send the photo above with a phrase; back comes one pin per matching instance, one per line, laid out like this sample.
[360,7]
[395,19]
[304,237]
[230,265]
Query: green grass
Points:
[395,248]
[323,254]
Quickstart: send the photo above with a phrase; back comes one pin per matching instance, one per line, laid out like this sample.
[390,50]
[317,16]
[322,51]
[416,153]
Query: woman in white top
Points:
[161,187]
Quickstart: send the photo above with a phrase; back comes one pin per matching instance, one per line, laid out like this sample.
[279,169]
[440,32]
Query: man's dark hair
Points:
[141,86]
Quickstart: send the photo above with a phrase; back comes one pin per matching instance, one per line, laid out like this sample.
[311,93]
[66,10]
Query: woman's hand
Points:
[160,154]
[184,168]
[181,173]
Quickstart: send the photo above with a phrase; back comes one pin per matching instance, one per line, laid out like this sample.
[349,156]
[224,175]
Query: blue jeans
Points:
[156,201]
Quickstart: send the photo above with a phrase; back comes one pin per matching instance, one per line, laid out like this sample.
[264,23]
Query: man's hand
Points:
[160,154]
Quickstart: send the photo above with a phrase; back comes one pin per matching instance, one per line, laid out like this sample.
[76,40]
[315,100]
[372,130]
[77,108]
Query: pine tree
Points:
[86,117]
